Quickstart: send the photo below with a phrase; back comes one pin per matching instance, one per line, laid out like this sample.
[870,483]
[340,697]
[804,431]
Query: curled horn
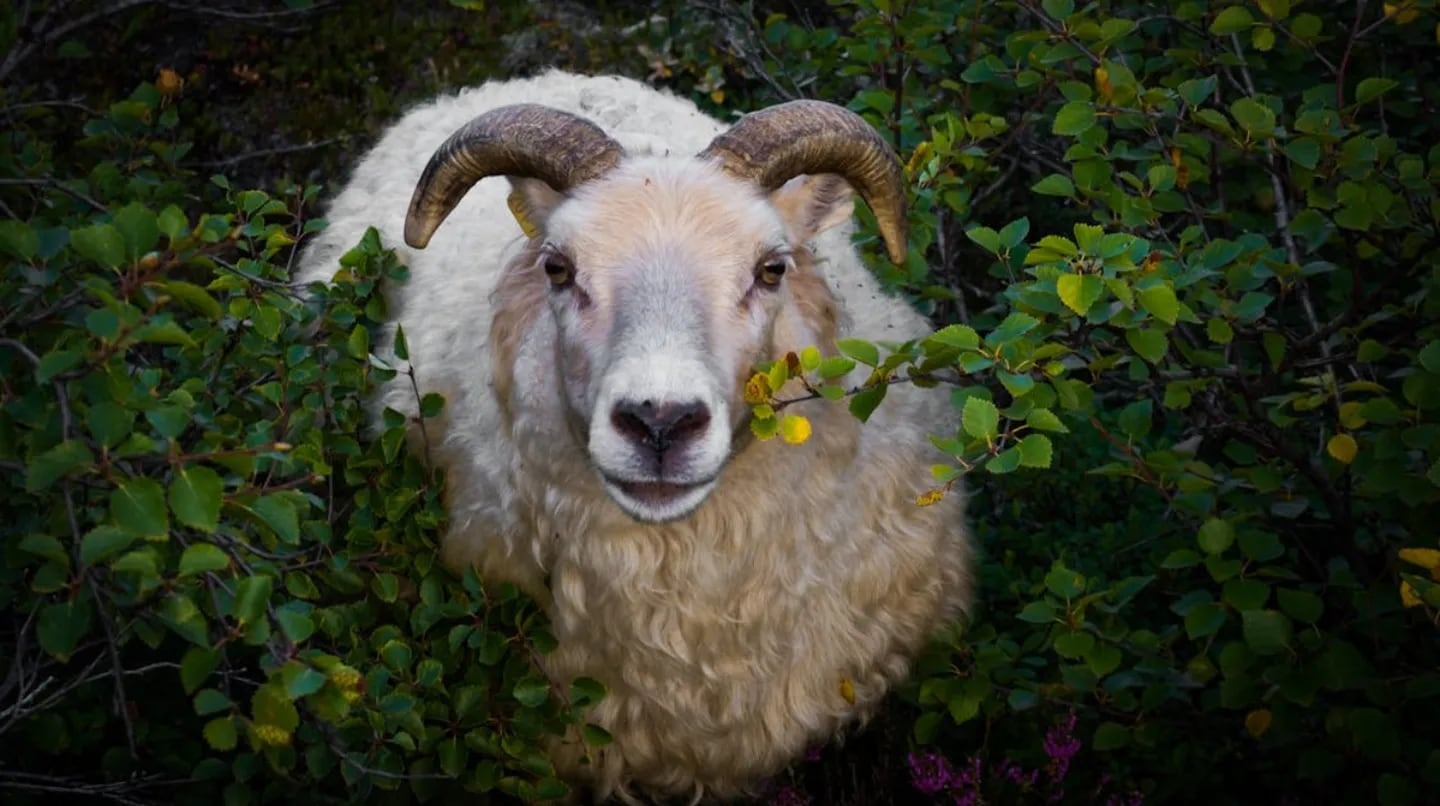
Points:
[530,140]
[773,145]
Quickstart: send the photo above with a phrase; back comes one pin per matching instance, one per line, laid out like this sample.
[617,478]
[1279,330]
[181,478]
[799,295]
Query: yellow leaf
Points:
[847,690]
[272,735]
[1408,596]
[794,429]
[930,497]
[1258,721]
[1102,84]
[1342,448]
[718,96]
[1350,415]
[757,389]
[1402,13]
[1429,559]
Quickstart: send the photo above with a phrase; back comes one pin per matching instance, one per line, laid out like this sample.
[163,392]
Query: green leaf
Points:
[162,333]
[531,690]
[138,226]
[193,296]
[138,506]
[595,736]
[1232,20]
[1194,91]
[1013,327]
[1055,185]
[19,239]
[270,706]
[961,337]
[104,541]
[55,362]
[1045,420]
[1267,632]
[296,625]
[1136,418]
[279,513]
[586,691]
[101,243]
[56,463]
[181,614]
[1204,619]
[981,419]
[202,557]
[1013,234]
[1245,594]
[1041,612]
[251,595]
[196,666]
[1215,536]
[1074,118]
[1065,583]
[1110,736]
[1300,605]
[860,350]
[1150,345]
[1371,88]
[1079,291]
[1103,659]
[195,497]
[61,625]
[172,222]
[987,238]
[220,734]
[1219,331]
[1035,451]
[109,422]
[1058,9]
[1160,301]
[1303,151]
[1261,546]
[209,701]
[864,403]
[1074,644]
[1253,116]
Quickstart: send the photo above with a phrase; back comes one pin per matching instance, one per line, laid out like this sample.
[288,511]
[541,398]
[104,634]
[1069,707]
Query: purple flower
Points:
[931,772]
[1061,746]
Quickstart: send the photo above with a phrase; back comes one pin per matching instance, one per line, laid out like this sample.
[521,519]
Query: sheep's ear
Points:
[814,203]
[531,202]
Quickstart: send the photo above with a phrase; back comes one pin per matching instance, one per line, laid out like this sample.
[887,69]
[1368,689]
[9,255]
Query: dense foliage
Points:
[1183,263]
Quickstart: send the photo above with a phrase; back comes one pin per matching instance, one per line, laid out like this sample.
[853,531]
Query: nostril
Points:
[632,420]
[690,419]
[659,427]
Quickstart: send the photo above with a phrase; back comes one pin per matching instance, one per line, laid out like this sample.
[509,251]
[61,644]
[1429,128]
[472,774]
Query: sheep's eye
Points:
[769,270]
[559,269]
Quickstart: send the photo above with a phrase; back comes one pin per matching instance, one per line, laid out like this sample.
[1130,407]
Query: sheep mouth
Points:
[658,501]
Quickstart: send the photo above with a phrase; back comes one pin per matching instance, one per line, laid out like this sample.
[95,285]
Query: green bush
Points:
[1183,262]
[193,499]
[1222,340]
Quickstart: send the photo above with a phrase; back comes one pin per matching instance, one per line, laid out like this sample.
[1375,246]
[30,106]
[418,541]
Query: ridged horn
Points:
[773,145]
[529,140]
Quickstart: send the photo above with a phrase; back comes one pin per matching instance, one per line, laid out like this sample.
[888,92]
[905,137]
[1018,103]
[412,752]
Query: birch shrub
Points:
[1188,257]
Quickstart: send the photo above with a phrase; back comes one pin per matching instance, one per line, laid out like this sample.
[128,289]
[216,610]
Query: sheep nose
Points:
[659,426]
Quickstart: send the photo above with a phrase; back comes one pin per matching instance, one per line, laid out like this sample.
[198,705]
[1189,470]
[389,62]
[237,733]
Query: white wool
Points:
[724,638]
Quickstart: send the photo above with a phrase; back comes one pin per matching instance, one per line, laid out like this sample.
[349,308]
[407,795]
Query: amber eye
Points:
[769,271]
[559,269]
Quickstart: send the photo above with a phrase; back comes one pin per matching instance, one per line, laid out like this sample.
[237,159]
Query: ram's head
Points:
[668,277]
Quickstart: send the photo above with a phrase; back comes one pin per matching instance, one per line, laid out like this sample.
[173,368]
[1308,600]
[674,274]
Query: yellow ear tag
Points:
[516,202]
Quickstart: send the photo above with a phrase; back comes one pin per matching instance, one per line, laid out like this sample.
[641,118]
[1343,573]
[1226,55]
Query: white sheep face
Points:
[668,280]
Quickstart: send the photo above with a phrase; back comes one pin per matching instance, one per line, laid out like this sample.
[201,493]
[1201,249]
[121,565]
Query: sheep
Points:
[591,325]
